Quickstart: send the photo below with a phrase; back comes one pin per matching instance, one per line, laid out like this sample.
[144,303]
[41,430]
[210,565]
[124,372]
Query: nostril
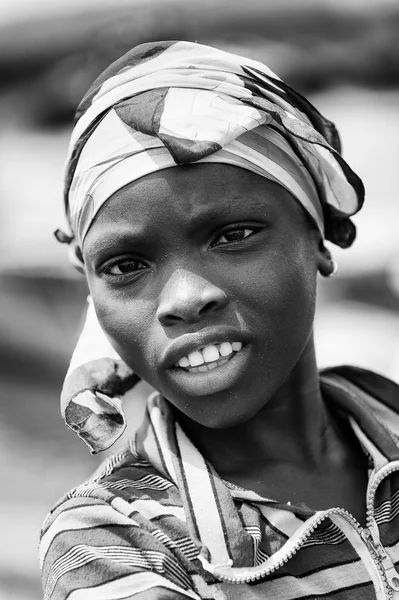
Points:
[213,305]
[168,317]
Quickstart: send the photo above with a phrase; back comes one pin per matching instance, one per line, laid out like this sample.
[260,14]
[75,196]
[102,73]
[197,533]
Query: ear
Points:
[325,264]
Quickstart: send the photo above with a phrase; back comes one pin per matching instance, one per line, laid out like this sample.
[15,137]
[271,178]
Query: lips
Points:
[206,346]
[209,357]
[233,349]
[196,383]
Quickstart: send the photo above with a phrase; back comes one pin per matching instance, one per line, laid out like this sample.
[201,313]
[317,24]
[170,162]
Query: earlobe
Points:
[326,265]
[334,270]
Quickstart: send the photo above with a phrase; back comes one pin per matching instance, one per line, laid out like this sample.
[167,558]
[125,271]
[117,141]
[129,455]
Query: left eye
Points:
[234,235]
[127,266]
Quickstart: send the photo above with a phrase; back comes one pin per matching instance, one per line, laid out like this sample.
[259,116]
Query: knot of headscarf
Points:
[173,103]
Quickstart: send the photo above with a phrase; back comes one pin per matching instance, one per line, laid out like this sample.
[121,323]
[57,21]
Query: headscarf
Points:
[174,103]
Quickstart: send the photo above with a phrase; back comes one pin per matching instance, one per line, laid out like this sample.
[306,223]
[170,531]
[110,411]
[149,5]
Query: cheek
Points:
[283,286]
[281,309]
[127,325]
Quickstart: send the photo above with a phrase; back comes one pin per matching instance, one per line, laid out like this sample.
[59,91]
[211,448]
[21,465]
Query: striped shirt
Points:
[156,516]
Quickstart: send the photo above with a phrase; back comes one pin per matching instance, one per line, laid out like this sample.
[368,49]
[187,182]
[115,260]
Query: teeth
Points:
[184,362]
[225,349]
[212,366]
[209,366]
[196,359]
[210,354]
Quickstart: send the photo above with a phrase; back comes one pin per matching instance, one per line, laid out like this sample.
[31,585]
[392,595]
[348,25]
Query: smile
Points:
[209,357]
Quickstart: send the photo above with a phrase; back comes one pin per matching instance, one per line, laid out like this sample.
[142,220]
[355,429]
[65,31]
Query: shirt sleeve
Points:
[90,551]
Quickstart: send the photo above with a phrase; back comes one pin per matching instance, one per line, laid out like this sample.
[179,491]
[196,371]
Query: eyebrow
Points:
[209,215]
[112,238]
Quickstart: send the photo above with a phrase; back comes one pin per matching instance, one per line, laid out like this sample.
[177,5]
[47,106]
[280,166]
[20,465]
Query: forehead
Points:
[186,193]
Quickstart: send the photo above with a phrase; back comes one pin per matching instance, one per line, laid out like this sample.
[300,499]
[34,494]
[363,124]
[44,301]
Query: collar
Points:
[212,517]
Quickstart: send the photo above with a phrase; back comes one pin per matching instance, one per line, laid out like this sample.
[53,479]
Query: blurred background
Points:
[343,55]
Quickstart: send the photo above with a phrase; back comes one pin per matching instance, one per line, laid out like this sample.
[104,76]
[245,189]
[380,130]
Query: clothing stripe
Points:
[256,536]
[92,346]
[65,505]
[393,552]
[363,416]
[126,588]
[283,521]
[174,79]
[221,504]
[184,544]
[261,557]
[205,516]
[180,115]
[361,550]
[185,491]
[150,560]
[383,412]
[147,482]
[379,459]
[150,509]
[160,422]
[107,467]
[280,152]
[249,495]
[319,584]
[159,449]
[83,517]
[387,511]
[280,174]
[138,461]
[384,506]
[331,535]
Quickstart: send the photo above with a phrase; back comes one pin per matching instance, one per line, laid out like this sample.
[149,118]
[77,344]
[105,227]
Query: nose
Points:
[188,298]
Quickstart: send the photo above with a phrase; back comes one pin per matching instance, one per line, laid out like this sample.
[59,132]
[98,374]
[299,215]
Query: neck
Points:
[293,427]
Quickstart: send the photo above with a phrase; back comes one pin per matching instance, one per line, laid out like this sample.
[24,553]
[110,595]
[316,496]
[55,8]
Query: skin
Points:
[202,247]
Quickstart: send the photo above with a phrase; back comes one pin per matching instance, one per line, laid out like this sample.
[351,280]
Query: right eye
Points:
[127,266]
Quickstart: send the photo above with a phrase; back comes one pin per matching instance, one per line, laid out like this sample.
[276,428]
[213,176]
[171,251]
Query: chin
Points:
[217,413]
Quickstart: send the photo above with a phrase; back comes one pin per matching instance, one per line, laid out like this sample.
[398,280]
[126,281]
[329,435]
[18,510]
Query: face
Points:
[203,278]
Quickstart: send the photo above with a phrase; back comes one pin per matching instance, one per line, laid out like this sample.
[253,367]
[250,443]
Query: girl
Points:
[200,189]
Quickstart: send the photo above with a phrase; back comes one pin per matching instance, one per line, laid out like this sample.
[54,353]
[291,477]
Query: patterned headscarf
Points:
[174,103]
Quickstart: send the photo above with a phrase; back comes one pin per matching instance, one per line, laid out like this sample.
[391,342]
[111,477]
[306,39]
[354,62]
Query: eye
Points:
[236,234]
[125,267]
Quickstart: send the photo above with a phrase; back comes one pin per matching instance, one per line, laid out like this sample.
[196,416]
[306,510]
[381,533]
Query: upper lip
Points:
[189,342]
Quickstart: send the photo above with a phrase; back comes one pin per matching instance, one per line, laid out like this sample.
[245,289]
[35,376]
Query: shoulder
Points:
[107,533]
[379,387]
[380,394]
[130,478]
